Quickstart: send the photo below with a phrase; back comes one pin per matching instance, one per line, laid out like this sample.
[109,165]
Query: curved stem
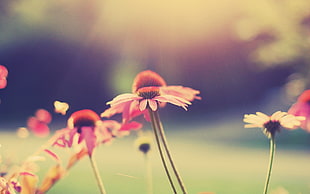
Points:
[271,156]
[160,150]
[165,143]
[96,172]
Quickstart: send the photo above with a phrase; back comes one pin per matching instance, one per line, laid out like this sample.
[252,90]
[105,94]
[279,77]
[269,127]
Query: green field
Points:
[212,158]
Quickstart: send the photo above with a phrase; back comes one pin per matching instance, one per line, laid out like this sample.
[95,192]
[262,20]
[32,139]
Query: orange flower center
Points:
[83,118]
[148,92]
[147,79]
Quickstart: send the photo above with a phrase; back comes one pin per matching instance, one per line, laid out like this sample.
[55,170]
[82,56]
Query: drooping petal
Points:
[87,133]
[76,157]
[173,100]
[123,98]
[143,104]
[130,126]
[52,154]
[153,104]
[182,92]
[54,174]
[28,184]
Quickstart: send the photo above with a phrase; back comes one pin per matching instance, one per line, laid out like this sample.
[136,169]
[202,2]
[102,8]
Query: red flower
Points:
[302,108]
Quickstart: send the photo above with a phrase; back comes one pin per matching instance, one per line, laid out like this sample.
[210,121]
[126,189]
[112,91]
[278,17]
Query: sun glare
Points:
[163,22]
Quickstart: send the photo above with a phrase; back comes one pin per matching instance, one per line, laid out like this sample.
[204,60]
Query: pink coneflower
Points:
[149,90]
[3,76]
[302,108]
[87,125]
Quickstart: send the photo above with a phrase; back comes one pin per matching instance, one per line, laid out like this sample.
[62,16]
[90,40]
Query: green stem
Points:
[160,150]
[271,156]
[96,172]
[165,143]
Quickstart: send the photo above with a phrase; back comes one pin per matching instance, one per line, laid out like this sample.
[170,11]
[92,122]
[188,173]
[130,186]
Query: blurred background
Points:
[244,56]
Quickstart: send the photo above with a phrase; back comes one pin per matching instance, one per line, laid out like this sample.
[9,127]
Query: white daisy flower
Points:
[272,124]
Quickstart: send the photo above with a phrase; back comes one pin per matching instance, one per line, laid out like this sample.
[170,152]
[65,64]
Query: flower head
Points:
[146,79]
[149,92]
[272,124]
[3,76]
[302,108]
[87,126]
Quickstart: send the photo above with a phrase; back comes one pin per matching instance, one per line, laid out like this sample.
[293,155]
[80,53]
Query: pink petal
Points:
[3,71]
[123,98]
[52,154]
[3,82]
[173,100]
[153,104]
[301,109]
[26,174]
[89,137]
[143,104]
[182,92]
[132,125]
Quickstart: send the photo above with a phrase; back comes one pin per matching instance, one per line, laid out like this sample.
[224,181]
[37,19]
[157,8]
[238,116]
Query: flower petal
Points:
[143,104]
[152,104]
[87,133]
[180,91]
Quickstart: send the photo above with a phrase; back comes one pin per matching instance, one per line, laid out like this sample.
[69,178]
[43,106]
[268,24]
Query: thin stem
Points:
[271,156]
[96,172]
[165,142]
[160,150]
